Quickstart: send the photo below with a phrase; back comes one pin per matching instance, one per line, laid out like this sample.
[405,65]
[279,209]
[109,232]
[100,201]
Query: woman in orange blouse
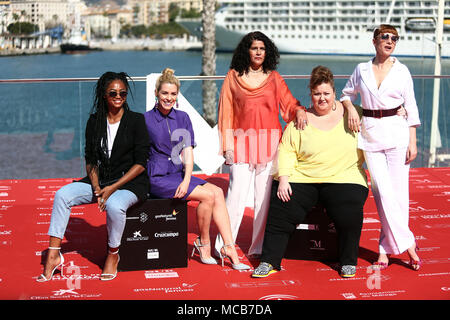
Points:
[252,97]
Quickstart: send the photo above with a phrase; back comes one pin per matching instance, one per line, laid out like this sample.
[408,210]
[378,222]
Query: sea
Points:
[42,123]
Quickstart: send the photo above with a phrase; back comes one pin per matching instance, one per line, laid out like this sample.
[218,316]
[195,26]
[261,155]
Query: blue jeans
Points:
[78,193]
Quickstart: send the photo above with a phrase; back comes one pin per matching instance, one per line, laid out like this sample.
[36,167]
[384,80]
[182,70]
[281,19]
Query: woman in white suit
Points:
[387,139]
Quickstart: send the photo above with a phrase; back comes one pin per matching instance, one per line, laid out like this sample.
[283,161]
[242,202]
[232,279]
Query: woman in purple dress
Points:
[170,166]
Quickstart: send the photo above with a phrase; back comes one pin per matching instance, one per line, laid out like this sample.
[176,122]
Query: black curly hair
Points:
[241,59]
[100,112]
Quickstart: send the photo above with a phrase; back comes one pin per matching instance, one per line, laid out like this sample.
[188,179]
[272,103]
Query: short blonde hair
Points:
[168,76]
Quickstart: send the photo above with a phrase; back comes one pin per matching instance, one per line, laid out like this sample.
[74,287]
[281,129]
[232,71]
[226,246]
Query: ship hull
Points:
[70,48]
[413,44]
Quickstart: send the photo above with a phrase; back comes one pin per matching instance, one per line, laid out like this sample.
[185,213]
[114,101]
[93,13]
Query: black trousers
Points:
[344,204]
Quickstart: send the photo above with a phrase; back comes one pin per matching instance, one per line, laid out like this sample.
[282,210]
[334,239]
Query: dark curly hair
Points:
[241,59]
[100,111]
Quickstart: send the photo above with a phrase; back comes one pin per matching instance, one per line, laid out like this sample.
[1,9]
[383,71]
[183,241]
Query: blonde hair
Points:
[167,77]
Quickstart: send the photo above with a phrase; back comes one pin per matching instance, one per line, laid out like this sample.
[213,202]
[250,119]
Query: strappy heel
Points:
[378,265]
[197,245]
[42,277]
[112,275]
[415,264]
[237,266]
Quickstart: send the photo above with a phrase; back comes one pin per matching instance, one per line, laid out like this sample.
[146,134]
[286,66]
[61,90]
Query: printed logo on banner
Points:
[161,274]
[5,243]
[438,186]
[143,217]
[61,292]
[348,295]
[8,200]
[435,216]
[67,294]
[442,194]
[370,220]
[166,234]
[261,284]
[279,297]
[172,216]
[137,236]
[184,287]
[378,294]
[437,226]
[73,278]
[420,209]
[152,254]
[423,181]
[316,245]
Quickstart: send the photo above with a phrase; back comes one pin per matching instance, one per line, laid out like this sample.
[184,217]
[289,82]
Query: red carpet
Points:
[25,209]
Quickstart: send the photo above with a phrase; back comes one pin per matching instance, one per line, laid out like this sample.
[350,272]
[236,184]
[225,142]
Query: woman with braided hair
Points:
[116,155]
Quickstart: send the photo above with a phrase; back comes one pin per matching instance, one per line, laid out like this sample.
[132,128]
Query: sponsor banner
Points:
[160,274]
[263,284]
[183,288]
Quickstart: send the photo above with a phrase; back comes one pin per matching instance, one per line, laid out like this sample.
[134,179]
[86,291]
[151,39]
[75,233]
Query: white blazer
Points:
[395,90]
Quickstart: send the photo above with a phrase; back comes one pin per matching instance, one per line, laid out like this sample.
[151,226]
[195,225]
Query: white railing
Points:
[26,86]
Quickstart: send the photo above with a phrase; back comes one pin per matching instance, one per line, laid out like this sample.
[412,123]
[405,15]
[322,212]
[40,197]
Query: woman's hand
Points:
[402,112]
[353,120]
[301,121]
[229,157]
[411,152]
[103,195]
[182,189]
[284,189]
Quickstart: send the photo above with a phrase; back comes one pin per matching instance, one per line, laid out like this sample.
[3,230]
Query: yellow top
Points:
[318,156]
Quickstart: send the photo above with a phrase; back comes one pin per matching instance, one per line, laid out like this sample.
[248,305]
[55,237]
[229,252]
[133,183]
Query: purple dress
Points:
[168,136]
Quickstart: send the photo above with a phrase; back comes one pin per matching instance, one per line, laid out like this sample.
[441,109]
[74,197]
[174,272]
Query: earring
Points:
[334,107]
[156,102]
[177,104]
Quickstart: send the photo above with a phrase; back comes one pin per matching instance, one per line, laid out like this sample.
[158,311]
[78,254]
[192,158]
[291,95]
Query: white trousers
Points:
[241,179]
[389,177]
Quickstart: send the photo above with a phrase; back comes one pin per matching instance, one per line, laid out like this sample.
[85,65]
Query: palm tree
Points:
[209,61]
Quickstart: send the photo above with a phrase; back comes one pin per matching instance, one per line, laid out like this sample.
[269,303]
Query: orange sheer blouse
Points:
[249,117]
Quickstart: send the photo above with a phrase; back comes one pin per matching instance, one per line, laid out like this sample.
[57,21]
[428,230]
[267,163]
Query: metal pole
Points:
[437,82]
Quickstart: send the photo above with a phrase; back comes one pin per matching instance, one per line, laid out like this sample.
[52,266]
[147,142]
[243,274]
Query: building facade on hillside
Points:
[107,23]
[188,4]
[5,15]
[148,12]
[46,13]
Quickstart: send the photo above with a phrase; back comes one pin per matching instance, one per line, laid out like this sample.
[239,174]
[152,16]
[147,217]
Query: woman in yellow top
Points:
[318,164]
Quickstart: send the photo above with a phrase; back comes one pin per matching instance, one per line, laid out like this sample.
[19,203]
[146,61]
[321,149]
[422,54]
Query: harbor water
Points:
[42,123]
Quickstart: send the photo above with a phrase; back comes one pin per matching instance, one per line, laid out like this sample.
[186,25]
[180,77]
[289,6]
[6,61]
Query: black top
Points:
[131,146]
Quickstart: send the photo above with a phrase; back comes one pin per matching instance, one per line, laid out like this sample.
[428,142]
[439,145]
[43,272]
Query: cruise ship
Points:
[330,27]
